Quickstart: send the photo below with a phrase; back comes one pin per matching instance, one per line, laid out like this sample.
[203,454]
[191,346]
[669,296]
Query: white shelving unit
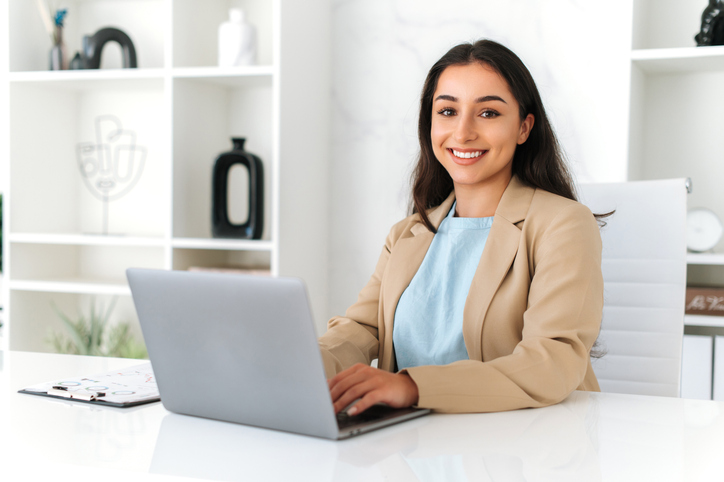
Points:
[675,131]
[675,103]
[184,111]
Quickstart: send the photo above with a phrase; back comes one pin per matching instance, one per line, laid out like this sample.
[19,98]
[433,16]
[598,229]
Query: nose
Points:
[465,130]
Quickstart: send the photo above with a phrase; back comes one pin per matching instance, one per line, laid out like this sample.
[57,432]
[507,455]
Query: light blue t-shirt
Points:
[428,325]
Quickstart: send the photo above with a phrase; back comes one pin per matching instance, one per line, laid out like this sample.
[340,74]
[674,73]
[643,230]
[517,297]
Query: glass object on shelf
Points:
[712,25]
[237,40]
[111,166]
[54,23]
[59,54]
[222,225]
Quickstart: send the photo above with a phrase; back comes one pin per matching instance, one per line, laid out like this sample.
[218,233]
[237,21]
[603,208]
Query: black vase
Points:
[222,227]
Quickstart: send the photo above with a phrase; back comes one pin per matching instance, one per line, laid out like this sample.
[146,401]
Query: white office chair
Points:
[644,274]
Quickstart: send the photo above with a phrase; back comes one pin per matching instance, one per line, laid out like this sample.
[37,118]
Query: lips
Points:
[467,156]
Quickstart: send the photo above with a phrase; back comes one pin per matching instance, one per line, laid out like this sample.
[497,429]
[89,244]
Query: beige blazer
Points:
[531,316]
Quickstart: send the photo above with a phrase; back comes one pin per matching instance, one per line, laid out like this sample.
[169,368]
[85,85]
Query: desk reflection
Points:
[550,444]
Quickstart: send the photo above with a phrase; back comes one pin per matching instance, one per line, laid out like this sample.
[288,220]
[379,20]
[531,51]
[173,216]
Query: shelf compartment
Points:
[86,240]
[54,197]
[34,316]
[206,116]
[679,60]
[666,144]
[224,244]
[78,268]
[31,44]
[184,259]
[196,26]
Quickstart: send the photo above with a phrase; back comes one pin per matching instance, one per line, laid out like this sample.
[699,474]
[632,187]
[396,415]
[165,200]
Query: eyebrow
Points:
[479,100]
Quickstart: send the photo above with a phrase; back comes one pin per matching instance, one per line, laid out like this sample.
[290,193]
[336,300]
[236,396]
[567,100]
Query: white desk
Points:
[588,437]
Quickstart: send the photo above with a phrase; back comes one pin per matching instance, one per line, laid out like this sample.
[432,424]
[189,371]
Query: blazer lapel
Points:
[405,259]
[498,256]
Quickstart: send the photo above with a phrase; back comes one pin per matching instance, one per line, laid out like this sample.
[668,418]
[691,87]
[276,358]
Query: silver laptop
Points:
[242,349]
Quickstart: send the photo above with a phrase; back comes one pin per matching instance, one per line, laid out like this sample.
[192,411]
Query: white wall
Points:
[577,50]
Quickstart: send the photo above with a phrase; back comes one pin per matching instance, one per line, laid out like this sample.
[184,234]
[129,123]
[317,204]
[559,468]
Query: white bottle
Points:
[237,41]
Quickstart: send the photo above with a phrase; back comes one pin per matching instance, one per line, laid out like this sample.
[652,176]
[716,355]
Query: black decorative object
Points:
[712,25]
[93,47]
[77,62]
[222,227]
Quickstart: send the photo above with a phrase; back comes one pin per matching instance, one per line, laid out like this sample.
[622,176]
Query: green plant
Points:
[92,335]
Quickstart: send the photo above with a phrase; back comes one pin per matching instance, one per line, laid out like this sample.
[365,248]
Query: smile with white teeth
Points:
[467,155]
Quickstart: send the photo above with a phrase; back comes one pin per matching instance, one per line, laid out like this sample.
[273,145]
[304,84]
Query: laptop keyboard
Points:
[372,414]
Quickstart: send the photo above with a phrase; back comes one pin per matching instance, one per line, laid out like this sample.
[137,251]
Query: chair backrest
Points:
[644,275]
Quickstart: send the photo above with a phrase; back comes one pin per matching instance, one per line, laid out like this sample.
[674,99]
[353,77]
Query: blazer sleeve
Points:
[353,338]
[560,325]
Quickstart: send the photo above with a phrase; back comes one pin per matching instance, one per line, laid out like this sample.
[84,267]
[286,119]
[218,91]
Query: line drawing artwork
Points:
[112,165]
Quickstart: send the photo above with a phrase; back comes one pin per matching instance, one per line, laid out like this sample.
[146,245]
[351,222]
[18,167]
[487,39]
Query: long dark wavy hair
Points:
[538,162]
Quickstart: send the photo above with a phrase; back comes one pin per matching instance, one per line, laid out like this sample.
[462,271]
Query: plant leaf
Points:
[73,331]
[97,328]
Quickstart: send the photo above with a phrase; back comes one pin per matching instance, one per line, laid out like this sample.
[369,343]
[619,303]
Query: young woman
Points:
[489,296]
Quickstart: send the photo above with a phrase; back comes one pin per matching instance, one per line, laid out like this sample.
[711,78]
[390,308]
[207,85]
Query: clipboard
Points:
[124,388]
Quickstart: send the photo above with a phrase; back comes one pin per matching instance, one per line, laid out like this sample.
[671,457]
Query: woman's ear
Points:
[525,128]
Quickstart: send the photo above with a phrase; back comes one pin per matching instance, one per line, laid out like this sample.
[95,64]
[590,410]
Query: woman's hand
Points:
[372,386]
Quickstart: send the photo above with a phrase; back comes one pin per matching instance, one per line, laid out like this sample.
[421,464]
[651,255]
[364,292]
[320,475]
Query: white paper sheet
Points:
[129,385]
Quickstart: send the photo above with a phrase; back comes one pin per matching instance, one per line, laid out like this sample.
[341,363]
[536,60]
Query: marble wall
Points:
[577,50]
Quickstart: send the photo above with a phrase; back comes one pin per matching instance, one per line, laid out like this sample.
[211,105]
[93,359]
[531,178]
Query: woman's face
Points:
[476,126]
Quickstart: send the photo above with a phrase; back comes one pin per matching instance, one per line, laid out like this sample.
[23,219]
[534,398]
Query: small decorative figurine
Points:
[712,25]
